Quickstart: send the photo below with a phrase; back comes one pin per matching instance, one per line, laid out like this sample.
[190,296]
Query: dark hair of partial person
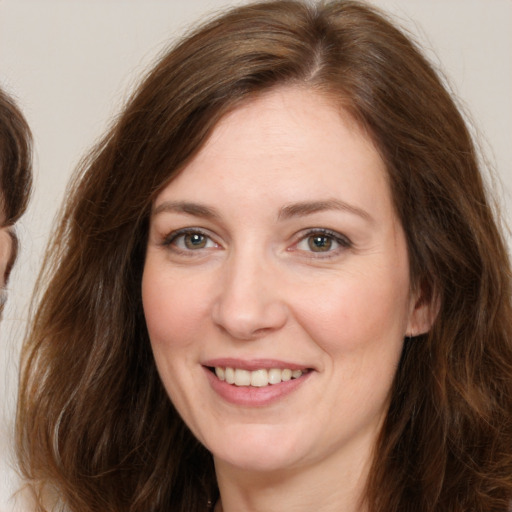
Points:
[95,426]
[15,167]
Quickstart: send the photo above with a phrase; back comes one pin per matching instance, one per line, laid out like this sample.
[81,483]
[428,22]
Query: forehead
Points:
[286,114]
[289,140]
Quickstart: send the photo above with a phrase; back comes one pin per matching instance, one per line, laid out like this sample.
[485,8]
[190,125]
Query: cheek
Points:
[356,311]
[172,309]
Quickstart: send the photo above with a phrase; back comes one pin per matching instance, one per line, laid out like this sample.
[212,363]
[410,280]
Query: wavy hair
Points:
[15,169]
[95,428]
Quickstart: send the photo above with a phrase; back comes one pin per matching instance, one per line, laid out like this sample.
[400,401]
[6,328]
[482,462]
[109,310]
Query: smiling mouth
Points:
[256,378]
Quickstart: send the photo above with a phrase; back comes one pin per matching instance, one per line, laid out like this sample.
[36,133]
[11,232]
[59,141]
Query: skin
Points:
[6,247]
[255,287]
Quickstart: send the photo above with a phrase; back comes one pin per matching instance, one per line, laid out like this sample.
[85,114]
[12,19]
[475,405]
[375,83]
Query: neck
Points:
[325,488]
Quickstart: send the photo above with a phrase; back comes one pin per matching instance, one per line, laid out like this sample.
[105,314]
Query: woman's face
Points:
[275,260]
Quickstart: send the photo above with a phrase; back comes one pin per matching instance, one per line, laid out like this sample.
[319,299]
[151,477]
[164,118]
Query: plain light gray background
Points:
[70,64]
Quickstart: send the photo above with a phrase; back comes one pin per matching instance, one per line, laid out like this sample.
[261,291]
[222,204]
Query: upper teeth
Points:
[256,378]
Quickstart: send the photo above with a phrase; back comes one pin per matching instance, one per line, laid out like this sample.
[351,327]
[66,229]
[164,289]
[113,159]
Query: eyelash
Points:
[341,240]
[171,238]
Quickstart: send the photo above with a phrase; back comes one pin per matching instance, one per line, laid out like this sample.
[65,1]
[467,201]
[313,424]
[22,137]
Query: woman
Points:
[15,181]
[277,284]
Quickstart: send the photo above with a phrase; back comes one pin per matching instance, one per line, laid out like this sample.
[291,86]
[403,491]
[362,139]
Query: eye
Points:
[190,240]
[322,241]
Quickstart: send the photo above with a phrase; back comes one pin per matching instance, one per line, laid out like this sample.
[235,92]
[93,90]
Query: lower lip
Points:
[250,396]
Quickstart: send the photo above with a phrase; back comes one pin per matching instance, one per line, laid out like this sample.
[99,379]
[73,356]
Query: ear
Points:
[423,311]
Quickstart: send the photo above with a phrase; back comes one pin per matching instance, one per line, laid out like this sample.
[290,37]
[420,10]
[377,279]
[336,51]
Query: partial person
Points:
[278,284]
[15,182]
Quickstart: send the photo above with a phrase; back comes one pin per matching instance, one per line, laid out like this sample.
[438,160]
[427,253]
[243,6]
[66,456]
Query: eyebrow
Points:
[299,209]
[309,207]
[195,209]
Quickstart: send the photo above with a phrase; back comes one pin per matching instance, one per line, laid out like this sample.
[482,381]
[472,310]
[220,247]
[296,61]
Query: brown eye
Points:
[195,241]
[189,240]
[323,242]
[320,243]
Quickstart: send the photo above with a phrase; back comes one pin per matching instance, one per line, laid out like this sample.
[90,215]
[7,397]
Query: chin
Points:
[262,461]
[260,449]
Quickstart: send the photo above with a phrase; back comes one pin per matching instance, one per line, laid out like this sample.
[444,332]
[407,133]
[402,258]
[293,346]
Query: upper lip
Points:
[253,364]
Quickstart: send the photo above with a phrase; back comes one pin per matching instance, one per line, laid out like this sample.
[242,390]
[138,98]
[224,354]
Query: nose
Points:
[250,303]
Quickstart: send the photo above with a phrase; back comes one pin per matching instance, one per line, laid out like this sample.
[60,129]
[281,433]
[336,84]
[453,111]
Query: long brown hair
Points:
[15,168]
[95,427]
